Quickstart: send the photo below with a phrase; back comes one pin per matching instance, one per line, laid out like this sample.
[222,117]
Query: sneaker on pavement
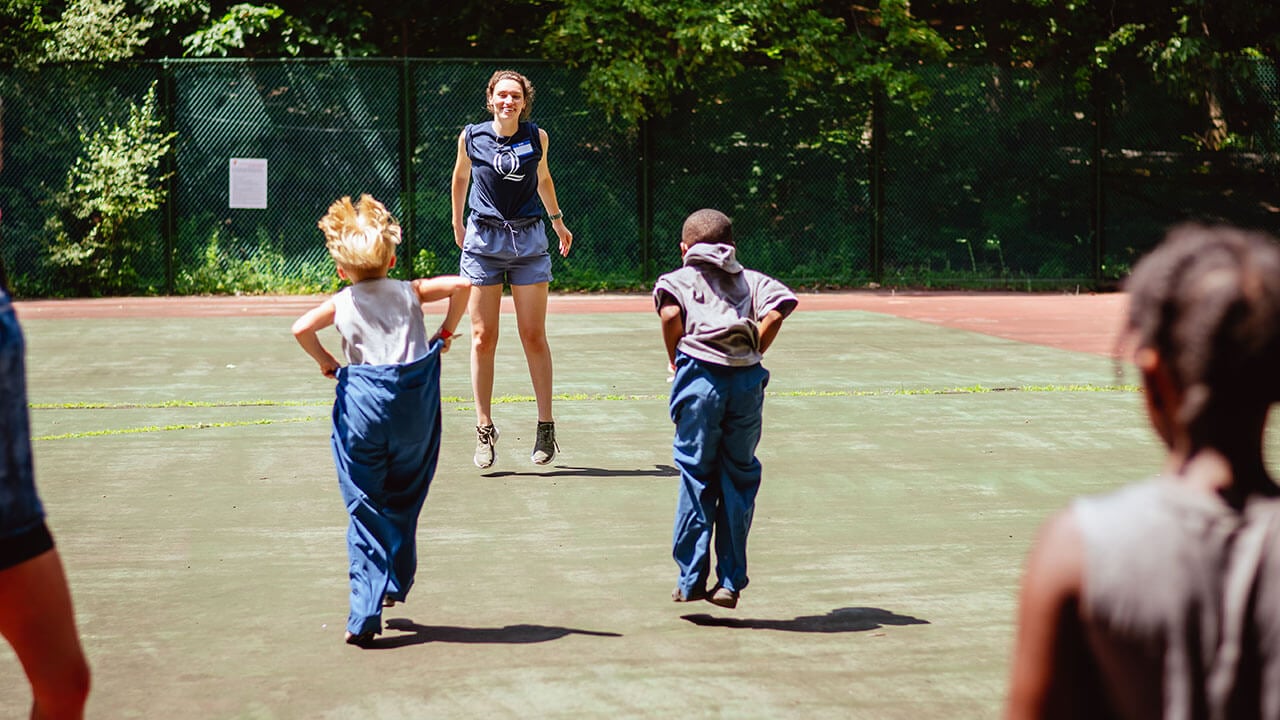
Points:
[362,640]
[544,447]
[486,440]
[724,597]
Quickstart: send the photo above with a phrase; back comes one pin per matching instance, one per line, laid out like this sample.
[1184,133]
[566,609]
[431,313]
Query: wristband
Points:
[555,217]
[445,334]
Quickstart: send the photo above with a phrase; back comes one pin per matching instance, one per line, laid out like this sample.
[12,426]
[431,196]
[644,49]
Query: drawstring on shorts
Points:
[514,227]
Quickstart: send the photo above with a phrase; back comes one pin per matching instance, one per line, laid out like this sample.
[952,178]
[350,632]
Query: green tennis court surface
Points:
[185,467]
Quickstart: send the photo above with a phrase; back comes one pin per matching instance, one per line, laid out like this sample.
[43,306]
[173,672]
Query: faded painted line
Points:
[968,390]
[170,428]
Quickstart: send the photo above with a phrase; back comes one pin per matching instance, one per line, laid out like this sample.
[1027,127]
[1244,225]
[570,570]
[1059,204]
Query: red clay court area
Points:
[1087,322]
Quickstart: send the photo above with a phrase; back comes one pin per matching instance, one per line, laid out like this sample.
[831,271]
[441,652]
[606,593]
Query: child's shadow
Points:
[513,634]
[850,619]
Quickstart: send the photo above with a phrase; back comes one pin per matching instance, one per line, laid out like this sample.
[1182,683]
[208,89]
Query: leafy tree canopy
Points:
[640,56]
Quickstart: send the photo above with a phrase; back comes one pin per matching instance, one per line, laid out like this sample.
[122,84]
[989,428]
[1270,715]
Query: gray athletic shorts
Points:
[512,253]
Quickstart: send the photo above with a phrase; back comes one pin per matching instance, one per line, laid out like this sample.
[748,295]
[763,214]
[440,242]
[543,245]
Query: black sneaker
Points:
[363,640]
[486,440]
[544,447]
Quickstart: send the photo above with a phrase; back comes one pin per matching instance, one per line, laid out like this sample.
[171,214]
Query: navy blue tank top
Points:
[504,172]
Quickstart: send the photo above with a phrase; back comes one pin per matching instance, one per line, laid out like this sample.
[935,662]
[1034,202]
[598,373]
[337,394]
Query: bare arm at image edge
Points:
[1049,676]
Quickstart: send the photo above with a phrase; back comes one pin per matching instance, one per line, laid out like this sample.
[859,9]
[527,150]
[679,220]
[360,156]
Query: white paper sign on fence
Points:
[249,183]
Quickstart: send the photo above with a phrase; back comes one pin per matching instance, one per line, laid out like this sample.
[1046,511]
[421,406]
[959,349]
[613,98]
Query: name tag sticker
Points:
[523,148]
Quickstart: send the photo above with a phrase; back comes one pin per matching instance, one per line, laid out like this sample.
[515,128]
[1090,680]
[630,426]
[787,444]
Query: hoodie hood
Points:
[719,255]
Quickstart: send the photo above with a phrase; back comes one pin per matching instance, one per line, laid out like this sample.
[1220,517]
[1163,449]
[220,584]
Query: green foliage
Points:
[247,29]
[1200,51]
[23,25]
[228,32]
[96,231]
[641,56]
[644,57]
[761,107]
[260,271]
[574,278]
[96,31]
[426,264]
[37,33]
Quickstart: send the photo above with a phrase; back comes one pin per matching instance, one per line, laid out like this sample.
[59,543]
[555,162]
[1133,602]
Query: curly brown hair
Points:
[525,86]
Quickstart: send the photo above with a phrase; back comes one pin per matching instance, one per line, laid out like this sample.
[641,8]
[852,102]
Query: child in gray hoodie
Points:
[718,318]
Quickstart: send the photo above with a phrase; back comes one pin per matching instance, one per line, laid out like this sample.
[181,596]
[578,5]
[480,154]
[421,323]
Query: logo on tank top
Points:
[506,162]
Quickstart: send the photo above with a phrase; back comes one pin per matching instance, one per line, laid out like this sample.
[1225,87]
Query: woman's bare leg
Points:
[531,319]
[37,618]
[483,307]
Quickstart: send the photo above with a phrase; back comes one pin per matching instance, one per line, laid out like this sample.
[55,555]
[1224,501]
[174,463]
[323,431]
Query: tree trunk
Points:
[1216,134]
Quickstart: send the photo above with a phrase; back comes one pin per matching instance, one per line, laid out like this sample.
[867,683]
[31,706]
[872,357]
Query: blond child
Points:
[386,418]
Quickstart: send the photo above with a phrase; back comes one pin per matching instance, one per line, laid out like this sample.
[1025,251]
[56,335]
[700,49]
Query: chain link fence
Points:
[325,130]
[44,119]
[991,178]
[792,175]
[1002,178]
[1151,172]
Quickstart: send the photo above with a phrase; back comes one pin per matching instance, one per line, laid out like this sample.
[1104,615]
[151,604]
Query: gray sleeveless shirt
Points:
[380,322]
[1181,602]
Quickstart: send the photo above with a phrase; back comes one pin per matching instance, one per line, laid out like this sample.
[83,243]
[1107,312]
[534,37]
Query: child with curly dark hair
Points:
[1162,599]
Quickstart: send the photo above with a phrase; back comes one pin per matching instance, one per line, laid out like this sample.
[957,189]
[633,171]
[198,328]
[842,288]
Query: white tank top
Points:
[380,322]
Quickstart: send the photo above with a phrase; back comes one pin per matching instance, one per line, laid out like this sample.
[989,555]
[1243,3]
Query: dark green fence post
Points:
[408,135]
[878,140]
[1099,218]
[169,231]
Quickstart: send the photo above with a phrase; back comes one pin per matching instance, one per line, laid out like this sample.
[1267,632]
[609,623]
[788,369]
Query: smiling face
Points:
[510,96]
[507,99]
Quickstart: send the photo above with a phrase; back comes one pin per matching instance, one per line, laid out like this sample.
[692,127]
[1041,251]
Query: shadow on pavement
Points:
[511,634]
[850,619]
[658,471]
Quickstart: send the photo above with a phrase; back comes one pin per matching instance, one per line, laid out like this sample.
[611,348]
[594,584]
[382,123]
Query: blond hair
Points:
[361,237]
